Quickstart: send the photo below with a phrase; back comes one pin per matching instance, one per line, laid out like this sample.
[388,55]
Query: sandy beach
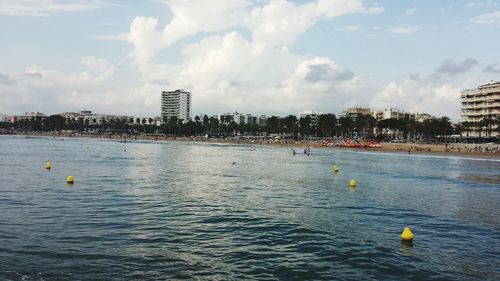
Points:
[464,150]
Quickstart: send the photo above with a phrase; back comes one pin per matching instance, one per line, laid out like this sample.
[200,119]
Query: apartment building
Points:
[479,104]
[176,104]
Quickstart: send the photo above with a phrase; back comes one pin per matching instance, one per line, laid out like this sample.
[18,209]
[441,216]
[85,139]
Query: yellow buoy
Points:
[335,168]
[352,183]
[48,166]
[70,179]
[407,235]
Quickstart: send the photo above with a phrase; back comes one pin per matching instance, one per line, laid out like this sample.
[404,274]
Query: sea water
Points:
[173,210]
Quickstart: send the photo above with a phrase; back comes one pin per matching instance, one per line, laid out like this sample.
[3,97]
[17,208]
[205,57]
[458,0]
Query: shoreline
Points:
[486,151]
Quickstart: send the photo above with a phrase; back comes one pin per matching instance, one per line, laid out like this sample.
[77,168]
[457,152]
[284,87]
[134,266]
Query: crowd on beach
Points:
[476,148]
[482,149]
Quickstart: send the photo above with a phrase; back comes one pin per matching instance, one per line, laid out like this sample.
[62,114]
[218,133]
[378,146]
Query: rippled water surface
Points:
[169,211]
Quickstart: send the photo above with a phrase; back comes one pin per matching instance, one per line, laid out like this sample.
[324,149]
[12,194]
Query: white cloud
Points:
[190,17]
[280,22]
[488,18]
[241,62]
[43,89]
[231,72]
[226,70]
[99,67]
[419,96]
[405,29]
[147,40]
[274,24]
[193,16]
[46,7]
[321,83]
[433,93]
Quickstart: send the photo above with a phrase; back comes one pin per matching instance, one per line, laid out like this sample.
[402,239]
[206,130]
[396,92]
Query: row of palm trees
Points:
[326,125]
[485,124]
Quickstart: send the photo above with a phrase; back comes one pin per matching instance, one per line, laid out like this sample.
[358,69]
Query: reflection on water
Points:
[172,210]
[406,248]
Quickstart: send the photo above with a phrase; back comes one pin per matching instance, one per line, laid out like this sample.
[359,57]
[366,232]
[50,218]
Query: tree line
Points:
[487,123]
[326,125]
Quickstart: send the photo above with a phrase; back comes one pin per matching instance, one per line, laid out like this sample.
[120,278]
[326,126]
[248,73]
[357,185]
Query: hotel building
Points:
[393,113]
[480,103]
[354,112]
[314,115]
[176,104]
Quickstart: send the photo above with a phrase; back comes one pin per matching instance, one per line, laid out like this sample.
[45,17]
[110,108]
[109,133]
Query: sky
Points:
[261,57]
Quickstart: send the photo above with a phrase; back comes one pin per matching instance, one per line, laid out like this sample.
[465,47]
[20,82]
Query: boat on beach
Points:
[352,143]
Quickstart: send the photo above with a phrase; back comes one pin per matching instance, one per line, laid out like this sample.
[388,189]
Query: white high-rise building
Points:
[480,104]
[176,104]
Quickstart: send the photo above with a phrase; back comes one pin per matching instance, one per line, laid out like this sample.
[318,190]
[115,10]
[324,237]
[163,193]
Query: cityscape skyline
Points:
[274,57]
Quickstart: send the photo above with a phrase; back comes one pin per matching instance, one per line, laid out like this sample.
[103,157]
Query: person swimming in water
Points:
[307,150]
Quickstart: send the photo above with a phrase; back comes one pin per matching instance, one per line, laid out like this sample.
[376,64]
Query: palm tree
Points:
[444,126]
[479,125]
[487,122]
[326,124]
[466,125]
[272,124]
[197,120]
[206,122]
[214,124]
[290,123]
[497,122]
[360,124]
[346,125]
[305,125]
[391,125]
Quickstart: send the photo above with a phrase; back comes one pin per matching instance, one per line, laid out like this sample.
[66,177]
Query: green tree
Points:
[272,124]
[444,127]
[214,125]
[55,122]
[206,123]
[497,122]
[232,128]
[346,126]
[172,125]
[290,123]
[487,122]
[466,126]
[305,125]
[326,124]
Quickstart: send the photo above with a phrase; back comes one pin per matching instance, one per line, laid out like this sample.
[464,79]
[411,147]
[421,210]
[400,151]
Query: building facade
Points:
[28,116]
[314,115]
[422,117]
[479,105]
[261,121]
[354,112]
[176,104]
[394,113]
